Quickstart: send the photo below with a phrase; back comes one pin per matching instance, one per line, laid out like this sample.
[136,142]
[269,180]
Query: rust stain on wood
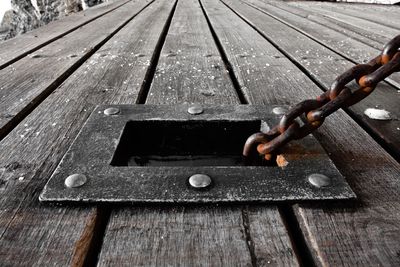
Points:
[83,245]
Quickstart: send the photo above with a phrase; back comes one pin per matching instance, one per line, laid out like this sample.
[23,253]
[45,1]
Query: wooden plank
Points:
[388,16]
[372,9]
[360,23]
[385,2]
[28,81]
[35,234]
[364,233]
[20,46]
[176,236]
[259,67]
[372,39]
[324,65]
[190,69]
[355,51]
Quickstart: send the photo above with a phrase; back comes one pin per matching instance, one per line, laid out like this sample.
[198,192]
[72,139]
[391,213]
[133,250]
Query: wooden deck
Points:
[208,51]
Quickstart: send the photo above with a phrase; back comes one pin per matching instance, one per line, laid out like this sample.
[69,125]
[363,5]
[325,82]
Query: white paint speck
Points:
[377,114]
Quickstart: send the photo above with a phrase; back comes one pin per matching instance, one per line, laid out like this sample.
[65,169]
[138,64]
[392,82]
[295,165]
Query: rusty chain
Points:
[338,96]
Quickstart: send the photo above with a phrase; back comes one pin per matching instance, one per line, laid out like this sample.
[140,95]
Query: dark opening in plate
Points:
[185,143]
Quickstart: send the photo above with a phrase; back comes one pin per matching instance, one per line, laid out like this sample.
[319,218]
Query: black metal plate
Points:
[93,151]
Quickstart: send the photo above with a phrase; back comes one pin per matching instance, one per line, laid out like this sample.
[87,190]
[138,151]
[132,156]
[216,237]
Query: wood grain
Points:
[388,16]
[176,236]
[335,40]
[357,22]
[27,82]
[18,47]
[190,69]
[35,234]
[346,234]
[369,38]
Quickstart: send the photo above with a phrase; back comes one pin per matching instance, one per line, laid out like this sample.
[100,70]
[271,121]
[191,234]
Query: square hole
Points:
[185,143]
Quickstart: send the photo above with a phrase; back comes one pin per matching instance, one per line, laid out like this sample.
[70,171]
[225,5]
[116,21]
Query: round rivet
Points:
[75,180]
[199,180]
[319,180]
[279,110]
[111,111]
[195,109]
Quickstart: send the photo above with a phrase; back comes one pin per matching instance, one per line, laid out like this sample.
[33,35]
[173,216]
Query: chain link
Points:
[338,96]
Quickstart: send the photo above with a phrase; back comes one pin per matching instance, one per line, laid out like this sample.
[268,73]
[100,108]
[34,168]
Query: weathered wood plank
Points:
[258,66]
[391,10]
[20,46]
[367,37]
[365,233]
[388,16]
[379,2]
[355,51]
[190,69]
[357,22]
[324,65]
[28,81]
[35,234]
[176,236]
[364,36]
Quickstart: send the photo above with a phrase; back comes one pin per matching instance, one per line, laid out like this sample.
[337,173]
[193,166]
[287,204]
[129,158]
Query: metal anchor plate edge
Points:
[91,153]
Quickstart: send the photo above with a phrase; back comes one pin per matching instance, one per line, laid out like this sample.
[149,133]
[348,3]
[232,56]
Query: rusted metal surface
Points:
[187,146]
[338,96]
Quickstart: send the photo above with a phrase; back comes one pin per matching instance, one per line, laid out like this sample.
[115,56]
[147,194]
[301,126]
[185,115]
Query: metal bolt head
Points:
[75,180]
[195,109]
[200,181]
[319,180]
[279,110]
[111,111]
